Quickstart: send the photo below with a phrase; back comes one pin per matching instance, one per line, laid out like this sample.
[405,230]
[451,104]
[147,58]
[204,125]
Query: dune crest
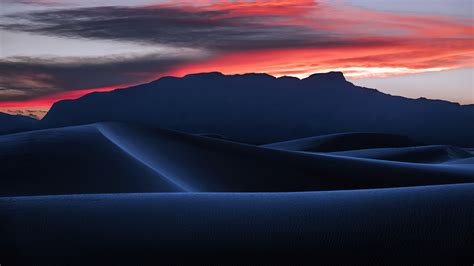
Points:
[117,157]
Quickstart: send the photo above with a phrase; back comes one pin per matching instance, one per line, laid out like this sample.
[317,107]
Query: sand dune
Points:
[72,160]
[343,142]
[379,202]
[113,157]
[16,123]
[205,164]
[421,154]
[420,225]
[467,162]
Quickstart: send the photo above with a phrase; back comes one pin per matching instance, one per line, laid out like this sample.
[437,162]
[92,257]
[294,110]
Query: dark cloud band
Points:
[29,78]
[172,26]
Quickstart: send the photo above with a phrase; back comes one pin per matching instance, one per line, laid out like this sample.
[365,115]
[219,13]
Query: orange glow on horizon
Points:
[361,64]
[48,101]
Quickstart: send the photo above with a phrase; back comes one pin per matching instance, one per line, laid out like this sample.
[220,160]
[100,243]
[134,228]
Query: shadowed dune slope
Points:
[72,160]
[366,227]
[16,123]
[421,154]
[113,157]
[343,142]
[466,161]
[206,164]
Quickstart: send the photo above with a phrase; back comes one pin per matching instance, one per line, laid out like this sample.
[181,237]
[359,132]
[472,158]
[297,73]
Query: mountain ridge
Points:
[259,108]
[315,76]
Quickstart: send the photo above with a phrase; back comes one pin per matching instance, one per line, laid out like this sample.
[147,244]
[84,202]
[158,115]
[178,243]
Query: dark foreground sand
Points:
[426,225]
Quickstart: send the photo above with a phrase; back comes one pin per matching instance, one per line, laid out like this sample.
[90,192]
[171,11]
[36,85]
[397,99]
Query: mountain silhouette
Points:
[259,108]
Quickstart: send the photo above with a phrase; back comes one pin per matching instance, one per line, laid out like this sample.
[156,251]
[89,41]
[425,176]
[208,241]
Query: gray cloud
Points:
[216,30]
[28,78]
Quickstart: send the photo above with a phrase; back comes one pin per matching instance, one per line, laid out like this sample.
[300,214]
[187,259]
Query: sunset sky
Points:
[62,49]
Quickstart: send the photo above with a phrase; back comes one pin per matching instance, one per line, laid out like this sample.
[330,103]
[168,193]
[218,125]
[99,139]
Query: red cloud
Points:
[46,102]
[247,8]
[376,44]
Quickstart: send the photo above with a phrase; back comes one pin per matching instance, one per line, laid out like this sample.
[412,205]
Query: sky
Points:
[62,49]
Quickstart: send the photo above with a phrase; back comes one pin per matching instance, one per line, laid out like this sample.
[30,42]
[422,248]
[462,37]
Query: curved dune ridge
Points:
[114,157]
[423,154]
[343,198]
[343,142]
[72,160]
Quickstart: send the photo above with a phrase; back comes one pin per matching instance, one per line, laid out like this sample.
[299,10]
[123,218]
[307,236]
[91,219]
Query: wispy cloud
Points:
[29,78]
[222,30]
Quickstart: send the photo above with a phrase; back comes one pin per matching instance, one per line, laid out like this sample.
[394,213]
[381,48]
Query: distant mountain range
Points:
[259,108]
